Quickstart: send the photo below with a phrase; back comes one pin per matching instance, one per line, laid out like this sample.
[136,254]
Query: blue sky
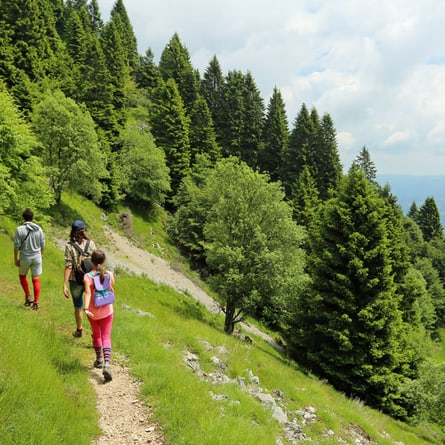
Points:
[376,66]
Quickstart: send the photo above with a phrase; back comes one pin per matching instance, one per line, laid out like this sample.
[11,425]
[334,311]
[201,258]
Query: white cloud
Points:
[377,67]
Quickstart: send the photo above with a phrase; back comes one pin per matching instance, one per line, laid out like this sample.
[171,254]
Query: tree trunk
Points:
[229,322]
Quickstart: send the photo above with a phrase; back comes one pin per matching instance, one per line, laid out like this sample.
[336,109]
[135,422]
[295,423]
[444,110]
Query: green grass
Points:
[45,396]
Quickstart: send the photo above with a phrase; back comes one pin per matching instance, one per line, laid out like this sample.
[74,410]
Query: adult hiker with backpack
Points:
[77,249]
[29,244]
[99,299]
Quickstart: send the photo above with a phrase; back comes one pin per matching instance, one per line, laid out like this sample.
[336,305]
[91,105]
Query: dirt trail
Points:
[125,419]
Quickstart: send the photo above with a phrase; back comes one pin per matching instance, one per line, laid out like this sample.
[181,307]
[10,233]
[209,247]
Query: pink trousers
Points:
[102,331]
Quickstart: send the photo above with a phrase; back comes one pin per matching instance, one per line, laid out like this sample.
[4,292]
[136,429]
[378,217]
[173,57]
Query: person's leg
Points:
[97,341]
[36,270]
[36,288]
[106,325]
[76,290]
[23,271]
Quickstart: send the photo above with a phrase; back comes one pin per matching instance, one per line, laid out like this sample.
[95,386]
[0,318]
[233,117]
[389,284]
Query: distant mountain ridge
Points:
[412,188]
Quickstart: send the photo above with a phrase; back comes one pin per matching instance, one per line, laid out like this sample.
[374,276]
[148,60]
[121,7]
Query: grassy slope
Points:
[45,396]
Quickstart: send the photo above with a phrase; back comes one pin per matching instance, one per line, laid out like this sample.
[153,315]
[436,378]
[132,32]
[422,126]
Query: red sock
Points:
[24,283]
[36,286]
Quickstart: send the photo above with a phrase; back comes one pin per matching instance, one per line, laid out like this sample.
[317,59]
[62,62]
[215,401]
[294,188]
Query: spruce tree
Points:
[170,128]
[300,148]
[305,198]
[202,133]
[328,158]
[275,137]
[350,326]
[175,64]
[366,165]
[253,122]
[34,52]
[119,68]
[231,130]
[147,73]
[429,220]
[124,28]
[211,87]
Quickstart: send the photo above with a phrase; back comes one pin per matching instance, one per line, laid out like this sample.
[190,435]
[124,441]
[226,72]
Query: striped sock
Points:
[98,350]
[107,354]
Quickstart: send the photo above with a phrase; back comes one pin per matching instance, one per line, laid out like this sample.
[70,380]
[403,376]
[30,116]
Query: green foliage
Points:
[57,392]
[366,165]
[252,246]
[143,169]
[202,133]
[175,64]
[305,198]
[22,180]
[212,87]
[427,394]
[349,326]
[69,146]
[275,137]
[170,128]
[428,219]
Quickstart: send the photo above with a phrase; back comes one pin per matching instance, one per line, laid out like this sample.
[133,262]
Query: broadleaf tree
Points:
[22,179]
[69,146]
[252,245]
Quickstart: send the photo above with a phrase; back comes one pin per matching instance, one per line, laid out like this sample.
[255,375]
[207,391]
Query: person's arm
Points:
[66,277]
[87,296]
[16,257]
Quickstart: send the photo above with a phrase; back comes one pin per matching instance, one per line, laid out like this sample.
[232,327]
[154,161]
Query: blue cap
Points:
[78,225]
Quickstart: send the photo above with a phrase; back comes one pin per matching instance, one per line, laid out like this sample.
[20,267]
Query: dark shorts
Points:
[77,291]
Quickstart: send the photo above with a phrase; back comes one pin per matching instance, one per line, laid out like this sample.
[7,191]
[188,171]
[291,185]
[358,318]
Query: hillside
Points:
[181,374]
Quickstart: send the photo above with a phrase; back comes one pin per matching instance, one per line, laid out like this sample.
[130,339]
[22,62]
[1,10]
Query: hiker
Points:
[29,240]
[79,243]
[100,317]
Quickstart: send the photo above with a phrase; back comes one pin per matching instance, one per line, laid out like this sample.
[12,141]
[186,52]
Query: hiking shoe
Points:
[98,363]
[107,372]
[78,333]
[35,306]
[28,302]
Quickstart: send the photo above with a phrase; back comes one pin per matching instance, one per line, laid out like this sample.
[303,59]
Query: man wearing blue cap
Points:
[79,245]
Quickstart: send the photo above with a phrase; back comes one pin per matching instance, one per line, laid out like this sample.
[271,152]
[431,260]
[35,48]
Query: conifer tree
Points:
[119,68]
[350,326]
[275,137]
[231,130]
[413,212]
[366,165]
[124,28]
[33,49]
[147,73]
[202,134]
[92,77]
[175,64]
[211,87]
[170,128]
[253,122]
[328,158]
[305,198]
[429,220]
[300,150]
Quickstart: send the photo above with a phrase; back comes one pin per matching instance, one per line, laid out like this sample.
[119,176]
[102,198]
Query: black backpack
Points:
[85,265]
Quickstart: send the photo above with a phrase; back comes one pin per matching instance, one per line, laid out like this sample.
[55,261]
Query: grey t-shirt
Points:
[29,239]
